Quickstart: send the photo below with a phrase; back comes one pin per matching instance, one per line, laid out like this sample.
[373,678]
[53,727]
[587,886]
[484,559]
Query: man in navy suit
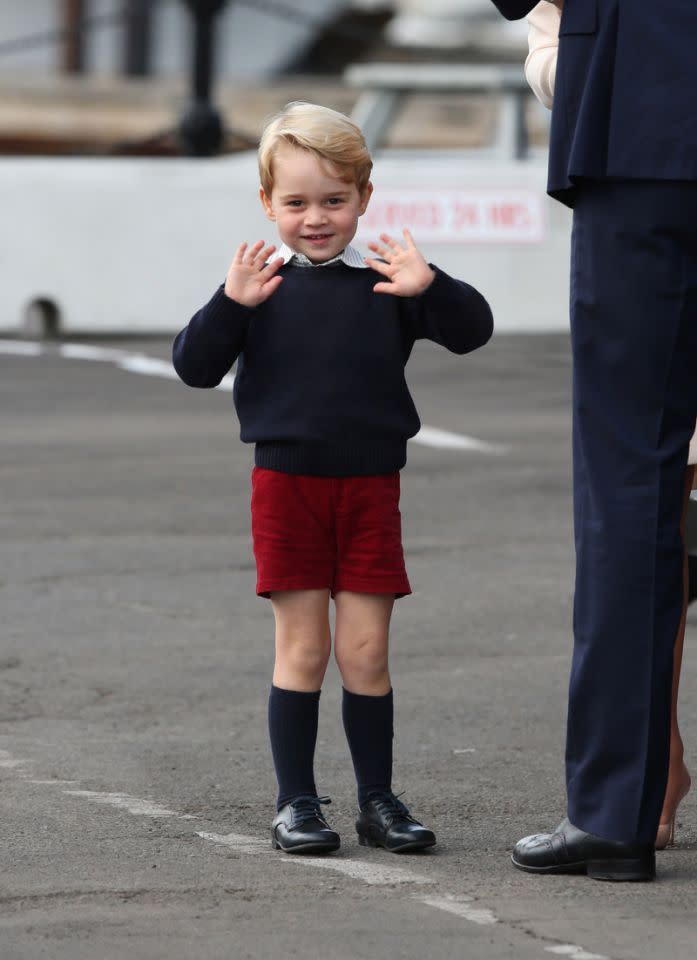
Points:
[623,154]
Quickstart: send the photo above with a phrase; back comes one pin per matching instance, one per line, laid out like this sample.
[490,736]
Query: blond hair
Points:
[328,134]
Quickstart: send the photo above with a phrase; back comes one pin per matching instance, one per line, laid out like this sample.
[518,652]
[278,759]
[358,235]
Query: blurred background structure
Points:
[128,131]
[113,75]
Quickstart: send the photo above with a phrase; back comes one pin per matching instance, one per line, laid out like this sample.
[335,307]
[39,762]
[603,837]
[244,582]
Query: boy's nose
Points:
[315,216]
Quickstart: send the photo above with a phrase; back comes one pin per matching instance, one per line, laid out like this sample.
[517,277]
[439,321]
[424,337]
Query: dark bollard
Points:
[137,46]
[201,129]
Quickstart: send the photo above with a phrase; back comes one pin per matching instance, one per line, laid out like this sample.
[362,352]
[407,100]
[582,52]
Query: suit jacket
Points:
[625,103]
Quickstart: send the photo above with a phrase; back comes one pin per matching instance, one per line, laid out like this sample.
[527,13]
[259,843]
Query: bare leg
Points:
[361,641]
[303,638]
[367,710]
[678,776]
[302,652]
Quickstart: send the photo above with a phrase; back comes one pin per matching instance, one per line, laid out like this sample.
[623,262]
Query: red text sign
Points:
[456,216]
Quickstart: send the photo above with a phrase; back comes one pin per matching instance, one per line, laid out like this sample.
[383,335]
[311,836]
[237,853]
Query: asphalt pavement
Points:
[136,785]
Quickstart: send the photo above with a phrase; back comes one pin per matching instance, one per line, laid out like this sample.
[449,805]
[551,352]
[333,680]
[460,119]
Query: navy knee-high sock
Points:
[293,717]
[368,722]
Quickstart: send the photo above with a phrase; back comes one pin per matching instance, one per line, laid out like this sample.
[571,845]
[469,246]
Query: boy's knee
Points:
[366,657]
[308,658]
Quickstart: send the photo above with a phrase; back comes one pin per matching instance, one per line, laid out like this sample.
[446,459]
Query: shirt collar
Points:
[348,256]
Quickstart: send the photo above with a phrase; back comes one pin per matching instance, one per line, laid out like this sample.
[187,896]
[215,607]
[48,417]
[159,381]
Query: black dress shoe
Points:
[384,821]
[570,850]
[299,827]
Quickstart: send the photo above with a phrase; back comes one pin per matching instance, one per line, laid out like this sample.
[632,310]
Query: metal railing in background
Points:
[384,87]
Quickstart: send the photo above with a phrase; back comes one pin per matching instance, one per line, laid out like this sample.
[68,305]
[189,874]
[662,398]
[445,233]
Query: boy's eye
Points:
[295,203]
[335,201]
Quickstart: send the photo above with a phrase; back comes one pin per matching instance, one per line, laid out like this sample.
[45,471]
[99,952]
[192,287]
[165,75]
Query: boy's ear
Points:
[365,198]
[266,204]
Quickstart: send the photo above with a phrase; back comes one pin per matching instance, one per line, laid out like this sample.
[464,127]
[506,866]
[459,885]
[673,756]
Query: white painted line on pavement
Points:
[21,348]
[445,440]
[156,367]
[9,762]
[465,750]
[139,808]
[151,367]
[461,907]
[372,873]
[240,842]
[131,362]
[87,351]
[51,783]
[574,952]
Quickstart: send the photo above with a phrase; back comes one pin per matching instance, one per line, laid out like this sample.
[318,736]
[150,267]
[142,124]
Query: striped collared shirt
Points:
[349,255]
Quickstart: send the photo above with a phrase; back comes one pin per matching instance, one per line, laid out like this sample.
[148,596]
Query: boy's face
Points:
[315,211]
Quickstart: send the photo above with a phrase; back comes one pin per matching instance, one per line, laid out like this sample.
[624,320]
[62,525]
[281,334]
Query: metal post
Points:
[201,129]
[73,53]
[374,112]
[138,38]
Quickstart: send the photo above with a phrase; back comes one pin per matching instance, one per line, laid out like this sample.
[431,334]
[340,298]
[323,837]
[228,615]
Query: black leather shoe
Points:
[570,850]
[299,827]
[384,821]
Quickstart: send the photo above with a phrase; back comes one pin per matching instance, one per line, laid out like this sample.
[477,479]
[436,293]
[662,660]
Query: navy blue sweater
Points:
[320,386]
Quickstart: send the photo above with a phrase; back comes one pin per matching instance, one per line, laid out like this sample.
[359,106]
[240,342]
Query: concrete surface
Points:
[135,661]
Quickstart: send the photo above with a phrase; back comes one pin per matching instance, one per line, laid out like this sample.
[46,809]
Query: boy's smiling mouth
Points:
[317,238]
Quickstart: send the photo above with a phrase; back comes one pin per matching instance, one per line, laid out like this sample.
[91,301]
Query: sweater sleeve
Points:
[514,9]
[205,350]
[543,42]
[451,313]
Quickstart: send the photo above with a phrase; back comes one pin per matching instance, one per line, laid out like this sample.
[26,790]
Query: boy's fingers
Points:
[271,267]
[378,266]
[266,252]
[253,251]
[239,253]
[408,237]
[271,285]
[391,242]
[384,288]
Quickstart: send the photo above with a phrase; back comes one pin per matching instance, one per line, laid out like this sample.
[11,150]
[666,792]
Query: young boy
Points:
[322,337]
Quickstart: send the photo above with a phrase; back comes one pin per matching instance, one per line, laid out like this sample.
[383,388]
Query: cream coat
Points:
[543,40]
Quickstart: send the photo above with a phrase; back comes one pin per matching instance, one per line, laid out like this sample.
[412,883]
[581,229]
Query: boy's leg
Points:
[303,643]
[361,651]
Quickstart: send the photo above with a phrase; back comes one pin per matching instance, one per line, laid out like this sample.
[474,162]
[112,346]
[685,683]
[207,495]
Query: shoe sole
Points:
[636,871]
[409,847]
[308,848]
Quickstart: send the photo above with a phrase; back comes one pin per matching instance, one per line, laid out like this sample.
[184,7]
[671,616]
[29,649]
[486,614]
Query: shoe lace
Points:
[308,808]
[391,807]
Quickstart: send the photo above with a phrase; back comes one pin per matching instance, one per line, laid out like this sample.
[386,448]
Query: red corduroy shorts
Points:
[340,533]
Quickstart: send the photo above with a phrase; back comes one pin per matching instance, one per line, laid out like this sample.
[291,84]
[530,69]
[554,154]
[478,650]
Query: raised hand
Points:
[250,280]
[407,272]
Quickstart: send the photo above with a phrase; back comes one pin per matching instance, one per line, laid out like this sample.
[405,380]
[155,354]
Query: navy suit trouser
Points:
[634,340]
